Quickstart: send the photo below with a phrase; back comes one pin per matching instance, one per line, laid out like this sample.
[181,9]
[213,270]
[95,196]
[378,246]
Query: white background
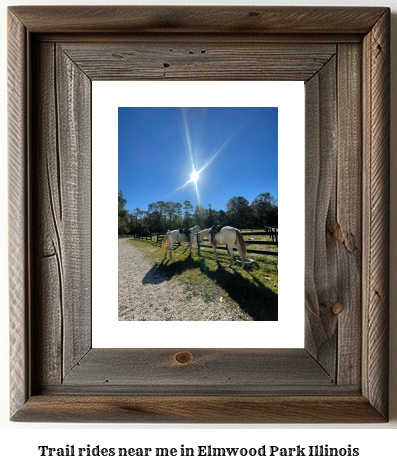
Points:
[288,332]
[19,442]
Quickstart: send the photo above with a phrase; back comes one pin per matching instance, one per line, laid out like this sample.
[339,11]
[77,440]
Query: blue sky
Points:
[234,149]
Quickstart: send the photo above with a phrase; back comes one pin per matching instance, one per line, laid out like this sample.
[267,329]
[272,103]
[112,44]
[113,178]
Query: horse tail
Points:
[165,242]
[241,245]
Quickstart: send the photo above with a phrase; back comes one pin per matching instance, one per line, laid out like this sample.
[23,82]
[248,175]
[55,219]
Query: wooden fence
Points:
[143,236]
[272,232]
[158,237]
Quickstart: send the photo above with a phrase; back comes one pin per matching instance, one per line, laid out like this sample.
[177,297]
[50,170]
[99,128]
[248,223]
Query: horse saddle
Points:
[215,229]
[185,231]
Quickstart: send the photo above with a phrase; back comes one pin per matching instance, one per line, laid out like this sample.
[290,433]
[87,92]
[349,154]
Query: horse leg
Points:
[216,256]
[230,249]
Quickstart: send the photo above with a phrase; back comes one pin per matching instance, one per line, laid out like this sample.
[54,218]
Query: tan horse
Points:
[226,236]
[175,236]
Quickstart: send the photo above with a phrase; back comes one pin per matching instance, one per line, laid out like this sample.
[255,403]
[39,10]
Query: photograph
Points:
[206,119]
[198,214]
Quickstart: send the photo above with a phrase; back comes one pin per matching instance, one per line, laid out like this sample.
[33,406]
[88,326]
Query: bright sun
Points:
[194,176]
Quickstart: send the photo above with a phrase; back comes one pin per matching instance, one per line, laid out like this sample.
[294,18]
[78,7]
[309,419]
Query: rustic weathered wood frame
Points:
[343,56]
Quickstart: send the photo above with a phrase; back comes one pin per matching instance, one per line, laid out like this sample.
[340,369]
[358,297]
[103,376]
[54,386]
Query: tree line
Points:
[168,215]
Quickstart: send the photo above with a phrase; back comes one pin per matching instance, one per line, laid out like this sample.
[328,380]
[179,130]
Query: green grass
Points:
[253,292]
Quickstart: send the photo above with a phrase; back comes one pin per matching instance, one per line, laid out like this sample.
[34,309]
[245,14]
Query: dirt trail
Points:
[145,295]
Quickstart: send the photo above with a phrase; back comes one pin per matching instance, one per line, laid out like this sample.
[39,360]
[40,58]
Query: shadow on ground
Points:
[253,297]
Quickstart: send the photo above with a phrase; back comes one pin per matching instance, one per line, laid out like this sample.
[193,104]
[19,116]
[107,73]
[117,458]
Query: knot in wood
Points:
[338,235]
[183,358]
[337,308]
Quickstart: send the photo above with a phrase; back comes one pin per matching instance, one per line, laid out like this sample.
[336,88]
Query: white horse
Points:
[175,236]
[226,236]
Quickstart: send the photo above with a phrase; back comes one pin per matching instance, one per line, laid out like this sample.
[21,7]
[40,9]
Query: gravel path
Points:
[145,295]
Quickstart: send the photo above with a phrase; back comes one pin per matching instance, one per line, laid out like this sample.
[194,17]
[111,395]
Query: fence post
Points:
[198,245]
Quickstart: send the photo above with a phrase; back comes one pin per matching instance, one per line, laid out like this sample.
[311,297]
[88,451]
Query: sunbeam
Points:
[221,148]
[188,140]
[193,152]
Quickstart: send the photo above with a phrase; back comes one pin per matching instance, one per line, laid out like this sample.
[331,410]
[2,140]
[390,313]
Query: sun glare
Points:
[194,176]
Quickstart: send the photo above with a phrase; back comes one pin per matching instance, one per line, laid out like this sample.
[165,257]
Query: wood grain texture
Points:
[205,60]
[62,205]
[333,215]
[199,409]
[48,280]
[198,19]
[228,369]
[244,37]
[376,93]
[18,213]
[341,376]
[347,225]
[321,261]
[73,90]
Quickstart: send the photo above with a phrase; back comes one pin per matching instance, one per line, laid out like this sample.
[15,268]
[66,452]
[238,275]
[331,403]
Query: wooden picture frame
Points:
[342,54]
